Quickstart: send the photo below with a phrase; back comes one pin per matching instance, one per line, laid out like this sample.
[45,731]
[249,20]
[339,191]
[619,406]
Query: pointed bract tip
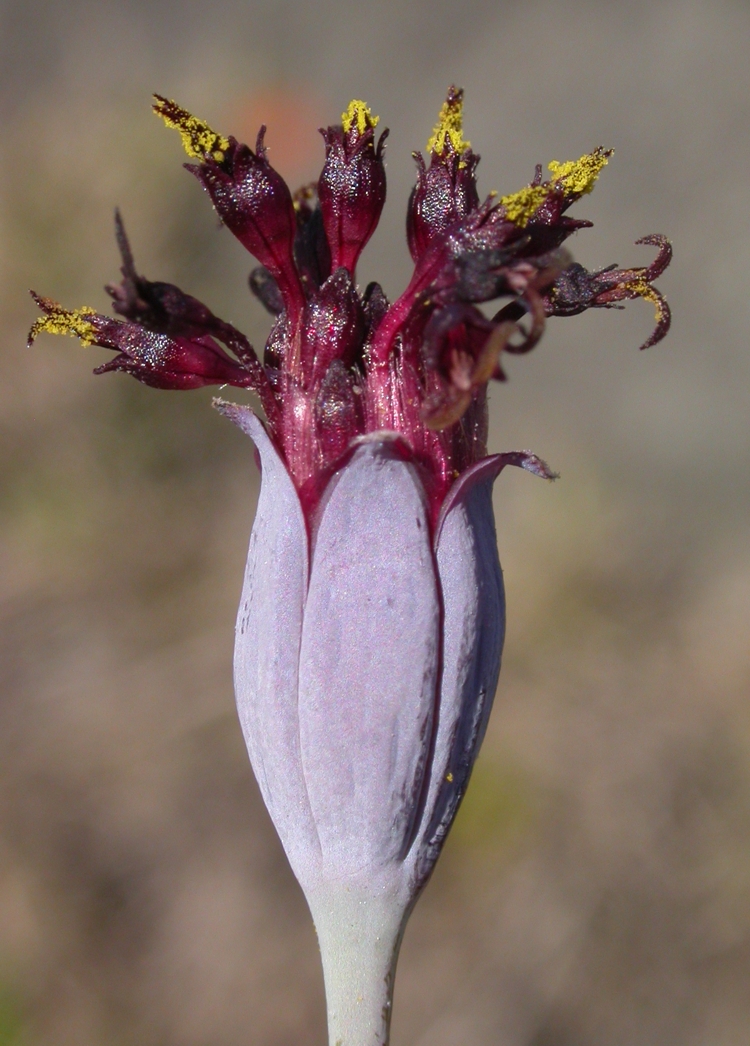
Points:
[226,407]
[123,245]
[533,463]
[236,412]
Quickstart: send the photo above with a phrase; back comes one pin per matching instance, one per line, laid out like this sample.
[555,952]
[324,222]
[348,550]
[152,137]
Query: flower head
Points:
[372,616]
[342,362]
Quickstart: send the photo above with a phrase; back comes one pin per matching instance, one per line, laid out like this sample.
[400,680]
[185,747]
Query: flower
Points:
[372,615]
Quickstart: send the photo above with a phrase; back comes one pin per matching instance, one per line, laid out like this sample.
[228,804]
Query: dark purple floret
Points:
[351,188]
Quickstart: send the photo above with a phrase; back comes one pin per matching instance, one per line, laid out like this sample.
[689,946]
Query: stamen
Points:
[644,290]
[58,320]
[574,177]
[448,132]
[198,139]
[662,317]
[521,206]
[579,176]
[358,115]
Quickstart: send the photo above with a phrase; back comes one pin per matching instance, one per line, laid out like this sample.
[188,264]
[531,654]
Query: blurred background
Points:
[596,889]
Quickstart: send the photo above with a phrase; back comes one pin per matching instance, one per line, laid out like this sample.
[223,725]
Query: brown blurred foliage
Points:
[596,890]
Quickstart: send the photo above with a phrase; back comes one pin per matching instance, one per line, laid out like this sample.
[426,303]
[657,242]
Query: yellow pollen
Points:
[449,130]
[198,139]
[646,291]
[578,176]
[449,777]
[358,115]
[522,205]
[575,177]
[65,321]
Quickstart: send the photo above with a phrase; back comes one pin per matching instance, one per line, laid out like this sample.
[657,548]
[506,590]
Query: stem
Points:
[359,933]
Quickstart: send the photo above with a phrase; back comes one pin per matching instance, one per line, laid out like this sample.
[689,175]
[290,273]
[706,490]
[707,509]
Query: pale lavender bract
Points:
[337,659]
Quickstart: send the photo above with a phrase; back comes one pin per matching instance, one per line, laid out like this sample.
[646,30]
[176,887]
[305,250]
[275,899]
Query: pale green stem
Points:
[359,932]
